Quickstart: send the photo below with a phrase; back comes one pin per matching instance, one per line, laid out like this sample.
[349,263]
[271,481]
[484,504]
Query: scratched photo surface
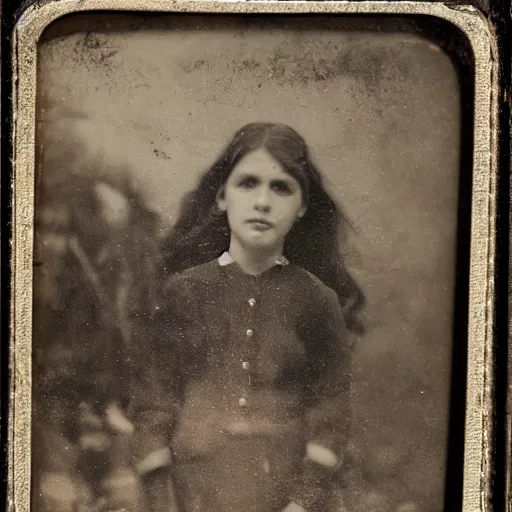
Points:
[131,111]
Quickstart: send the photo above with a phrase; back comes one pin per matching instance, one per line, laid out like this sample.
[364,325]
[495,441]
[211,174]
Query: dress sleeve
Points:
[157,396]
[328,403]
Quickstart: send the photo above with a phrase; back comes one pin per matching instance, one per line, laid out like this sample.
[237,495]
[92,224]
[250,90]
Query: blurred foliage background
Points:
[131,110]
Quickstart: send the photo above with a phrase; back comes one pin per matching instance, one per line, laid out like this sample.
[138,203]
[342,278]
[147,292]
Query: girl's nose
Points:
[262,202]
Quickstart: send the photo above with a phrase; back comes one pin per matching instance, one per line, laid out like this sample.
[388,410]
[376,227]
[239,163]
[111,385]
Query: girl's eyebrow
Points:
[288,181]
[284,180]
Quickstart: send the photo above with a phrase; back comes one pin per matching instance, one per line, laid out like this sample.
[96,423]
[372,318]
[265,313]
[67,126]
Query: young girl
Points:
[247,393]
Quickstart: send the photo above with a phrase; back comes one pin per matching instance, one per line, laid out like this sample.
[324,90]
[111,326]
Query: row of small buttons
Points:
[242,401]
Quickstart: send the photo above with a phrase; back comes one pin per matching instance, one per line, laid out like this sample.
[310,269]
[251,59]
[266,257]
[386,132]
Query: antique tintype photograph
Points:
[258,253]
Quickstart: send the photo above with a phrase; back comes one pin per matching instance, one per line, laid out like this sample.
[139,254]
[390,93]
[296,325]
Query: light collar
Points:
[227,259]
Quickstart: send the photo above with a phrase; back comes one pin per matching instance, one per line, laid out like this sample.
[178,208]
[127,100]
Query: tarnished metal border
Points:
[478,421]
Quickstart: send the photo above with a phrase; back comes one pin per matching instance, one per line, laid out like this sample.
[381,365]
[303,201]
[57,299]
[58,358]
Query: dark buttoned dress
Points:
[248,388]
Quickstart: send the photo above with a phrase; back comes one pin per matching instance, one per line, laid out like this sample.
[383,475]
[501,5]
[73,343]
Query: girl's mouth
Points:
[260,224]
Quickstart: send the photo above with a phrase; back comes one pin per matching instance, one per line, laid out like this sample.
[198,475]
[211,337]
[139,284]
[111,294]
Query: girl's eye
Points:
[282,187]
[247,183]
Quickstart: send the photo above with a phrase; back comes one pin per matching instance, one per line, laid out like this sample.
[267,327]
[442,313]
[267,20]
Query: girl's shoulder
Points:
[323,303]
[309,279]
[312,285]
[186,278]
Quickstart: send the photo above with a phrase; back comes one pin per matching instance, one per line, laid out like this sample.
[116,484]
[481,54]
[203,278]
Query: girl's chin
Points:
[261,239]
[260,244]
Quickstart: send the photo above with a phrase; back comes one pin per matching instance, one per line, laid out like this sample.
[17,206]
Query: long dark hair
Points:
[201,232]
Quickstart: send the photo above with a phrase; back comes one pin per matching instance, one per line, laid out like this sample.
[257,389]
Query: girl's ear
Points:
[302,211]
[221,199]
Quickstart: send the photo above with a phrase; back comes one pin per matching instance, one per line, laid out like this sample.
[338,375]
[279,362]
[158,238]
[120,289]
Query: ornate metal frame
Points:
[479,33]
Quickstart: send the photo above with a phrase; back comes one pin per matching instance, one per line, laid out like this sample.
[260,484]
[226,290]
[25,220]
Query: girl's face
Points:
[262,202]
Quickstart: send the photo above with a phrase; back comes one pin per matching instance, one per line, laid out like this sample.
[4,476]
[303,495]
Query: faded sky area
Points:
[159,97]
